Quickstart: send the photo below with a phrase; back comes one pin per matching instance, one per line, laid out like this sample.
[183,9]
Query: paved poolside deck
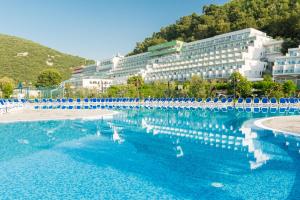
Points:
[286,124]
[28,114]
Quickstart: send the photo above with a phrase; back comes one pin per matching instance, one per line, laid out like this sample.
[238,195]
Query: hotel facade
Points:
[247,51]
[288,67]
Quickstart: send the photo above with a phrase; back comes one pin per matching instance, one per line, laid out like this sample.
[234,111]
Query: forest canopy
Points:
[278,18]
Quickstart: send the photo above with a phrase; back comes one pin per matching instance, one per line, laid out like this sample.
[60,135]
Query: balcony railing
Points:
[286,71]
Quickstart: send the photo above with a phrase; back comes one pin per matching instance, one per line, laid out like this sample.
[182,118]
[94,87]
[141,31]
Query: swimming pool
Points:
[149,154]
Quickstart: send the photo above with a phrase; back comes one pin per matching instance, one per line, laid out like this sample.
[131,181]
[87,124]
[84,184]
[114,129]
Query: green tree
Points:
[289,88]
[211,88]
[160,89]
[275,91]
[267,87]
[239,84]
[197,87]
[7,86]
[147,91]
[117,91]
[48,78]
[244,88]
[137,82]
[132,92]
[68,91]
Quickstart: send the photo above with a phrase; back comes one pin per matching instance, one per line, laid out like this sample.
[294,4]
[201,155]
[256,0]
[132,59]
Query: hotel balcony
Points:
[287,72]
[290,70]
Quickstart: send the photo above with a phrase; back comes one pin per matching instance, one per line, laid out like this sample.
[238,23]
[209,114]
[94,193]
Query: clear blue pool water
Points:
[149,155]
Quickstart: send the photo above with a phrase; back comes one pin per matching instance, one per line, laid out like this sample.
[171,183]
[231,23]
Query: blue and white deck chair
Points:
[240,101]
[57,103]
[248,104]
[273,101]
[248,100]
[256,100]
[93,104]
[70,103]
[230,104]
[78,104]
[86,100]
[98,103]
[292,107]
[282,105]
[240,105]
[208,103]
[256,106]
[223,105]
[44,100]
[216,100]
[273,105]
[265,105]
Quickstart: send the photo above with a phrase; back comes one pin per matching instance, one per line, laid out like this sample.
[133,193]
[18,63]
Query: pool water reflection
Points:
[149,154]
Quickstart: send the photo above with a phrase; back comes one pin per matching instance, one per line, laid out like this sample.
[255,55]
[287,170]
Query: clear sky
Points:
[93,29]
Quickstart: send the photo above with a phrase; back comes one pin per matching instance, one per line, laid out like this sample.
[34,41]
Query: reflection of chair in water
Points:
[179,151]
[254,147]
[116,137]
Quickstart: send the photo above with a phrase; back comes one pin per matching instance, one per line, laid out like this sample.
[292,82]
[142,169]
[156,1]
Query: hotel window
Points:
[293,53]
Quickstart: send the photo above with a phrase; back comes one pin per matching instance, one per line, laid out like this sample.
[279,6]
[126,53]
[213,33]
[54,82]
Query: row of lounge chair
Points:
[264,105]
[216,104]
[8,105]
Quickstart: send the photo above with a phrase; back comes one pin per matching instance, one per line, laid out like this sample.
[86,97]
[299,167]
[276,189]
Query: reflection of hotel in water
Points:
[213,135]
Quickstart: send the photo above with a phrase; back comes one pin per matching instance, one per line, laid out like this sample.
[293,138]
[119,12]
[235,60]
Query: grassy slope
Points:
[27,68]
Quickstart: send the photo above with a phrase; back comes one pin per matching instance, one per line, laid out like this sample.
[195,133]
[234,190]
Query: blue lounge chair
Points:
[256,100]
[248,101]
[248,109]
[273,100]
[273,105]
[282,110]
[240,109]
[273,109]
[283,105]
[265,105]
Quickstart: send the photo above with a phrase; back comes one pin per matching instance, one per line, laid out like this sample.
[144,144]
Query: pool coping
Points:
[259,123]
[100,116]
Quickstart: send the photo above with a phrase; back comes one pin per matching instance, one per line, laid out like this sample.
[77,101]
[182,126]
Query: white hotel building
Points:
[246,51]
[288,67]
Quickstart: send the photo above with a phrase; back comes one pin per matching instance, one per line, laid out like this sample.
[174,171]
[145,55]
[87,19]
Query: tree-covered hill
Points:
[23,60]
[278,18]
